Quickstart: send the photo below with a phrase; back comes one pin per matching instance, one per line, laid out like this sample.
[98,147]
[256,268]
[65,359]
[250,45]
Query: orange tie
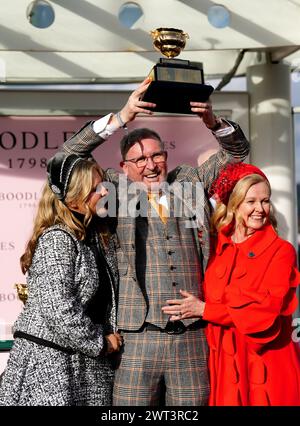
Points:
[160,208]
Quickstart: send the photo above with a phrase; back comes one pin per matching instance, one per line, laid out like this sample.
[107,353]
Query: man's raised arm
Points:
[94,133]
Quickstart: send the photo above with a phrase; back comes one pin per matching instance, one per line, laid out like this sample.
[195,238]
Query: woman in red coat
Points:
[250,290]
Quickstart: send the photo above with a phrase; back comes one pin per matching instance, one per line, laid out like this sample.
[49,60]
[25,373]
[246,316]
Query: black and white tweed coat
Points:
[62,279]
[132,303]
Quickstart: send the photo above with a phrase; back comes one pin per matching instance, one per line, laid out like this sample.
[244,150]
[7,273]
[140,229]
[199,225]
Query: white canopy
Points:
[87,43]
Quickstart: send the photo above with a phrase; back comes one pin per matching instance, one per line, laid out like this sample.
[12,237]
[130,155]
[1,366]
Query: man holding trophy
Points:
[163,362]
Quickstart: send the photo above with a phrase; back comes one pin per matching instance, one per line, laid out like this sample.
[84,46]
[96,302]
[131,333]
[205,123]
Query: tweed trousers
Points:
[154,361]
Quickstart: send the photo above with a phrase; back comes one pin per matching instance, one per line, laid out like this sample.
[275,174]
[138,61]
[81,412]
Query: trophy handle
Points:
[154,33]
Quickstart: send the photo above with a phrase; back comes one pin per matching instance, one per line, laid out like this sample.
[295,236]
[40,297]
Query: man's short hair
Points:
[135,136]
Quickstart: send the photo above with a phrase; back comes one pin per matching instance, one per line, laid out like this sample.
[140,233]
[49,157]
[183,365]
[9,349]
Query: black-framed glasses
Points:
[158,157]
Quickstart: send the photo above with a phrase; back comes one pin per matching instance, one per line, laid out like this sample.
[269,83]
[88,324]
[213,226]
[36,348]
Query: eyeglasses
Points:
[158,157]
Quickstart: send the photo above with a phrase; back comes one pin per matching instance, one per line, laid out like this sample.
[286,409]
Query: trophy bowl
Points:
[169,41]
[22,291]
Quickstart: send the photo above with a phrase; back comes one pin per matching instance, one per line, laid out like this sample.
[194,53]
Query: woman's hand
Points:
[187,307]
[114,342]
[135,105]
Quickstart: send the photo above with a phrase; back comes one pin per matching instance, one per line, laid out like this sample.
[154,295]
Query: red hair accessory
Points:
[228,178]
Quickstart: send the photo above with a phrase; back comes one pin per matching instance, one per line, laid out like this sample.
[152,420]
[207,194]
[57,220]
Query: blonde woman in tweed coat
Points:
[67,330]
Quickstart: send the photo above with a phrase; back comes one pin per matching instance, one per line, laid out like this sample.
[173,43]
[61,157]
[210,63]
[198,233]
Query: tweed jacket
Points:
[132,303]
[62,279]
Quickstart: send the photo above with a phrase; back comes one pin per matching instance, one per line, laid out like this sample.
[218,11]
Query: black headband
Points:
[59,169]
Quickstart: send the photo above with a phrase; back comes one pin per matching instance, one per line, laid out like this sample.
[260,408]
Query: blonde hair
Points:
[226,214]
[51,211]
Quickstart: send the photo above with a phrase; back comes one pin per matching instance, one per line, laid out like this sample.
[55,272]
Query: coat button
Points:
[172,267]
[251,254]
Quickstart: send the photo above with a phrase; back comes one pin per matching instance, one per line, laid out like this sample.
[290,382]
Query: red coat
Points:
[250,296]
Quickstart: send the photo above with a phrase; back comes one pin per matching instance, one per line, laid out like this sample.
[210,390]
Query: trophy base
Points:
[174,97]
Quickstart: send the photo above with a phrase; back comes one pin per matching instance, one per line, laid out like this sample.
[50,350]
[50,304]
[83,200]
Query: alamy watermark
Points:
[130,199]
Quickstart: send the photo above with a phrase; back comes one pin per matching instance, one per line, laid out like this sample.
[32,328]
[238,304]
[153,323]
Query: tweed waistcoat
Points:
[166,261]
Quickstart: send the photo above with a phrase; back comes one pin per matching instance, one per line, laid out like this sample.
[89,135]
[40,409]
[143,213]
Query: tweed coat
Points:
[132,303]
[62,280]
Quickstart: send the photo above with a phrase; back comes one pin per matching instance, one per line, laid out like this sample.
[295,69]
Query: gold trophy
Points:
[22,291]
[175,82]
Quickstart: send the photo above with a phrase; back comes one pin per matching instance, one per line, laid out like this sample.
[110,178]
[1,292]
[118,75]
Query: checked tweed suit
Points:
[154,262]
